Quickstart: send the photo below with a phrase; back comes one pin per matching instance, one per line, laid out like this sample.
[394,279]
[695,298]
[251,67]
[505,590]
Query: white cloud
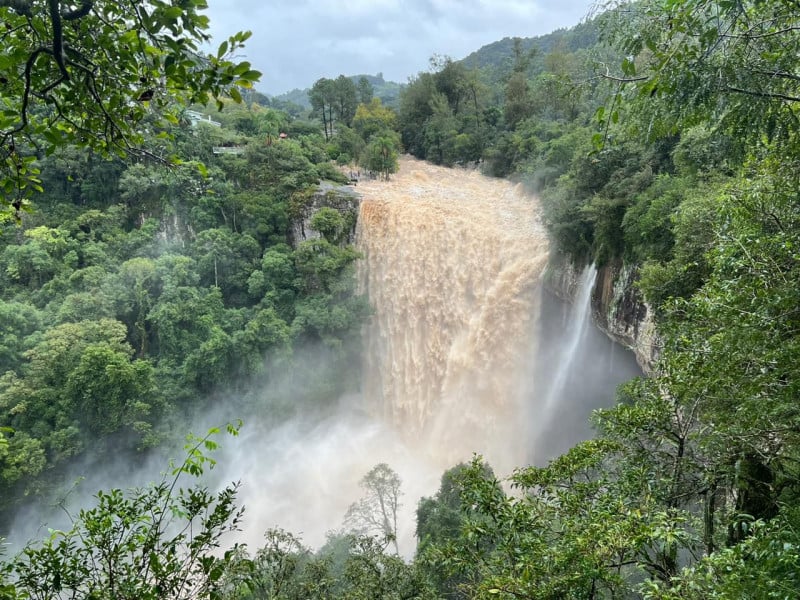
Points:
[295,42]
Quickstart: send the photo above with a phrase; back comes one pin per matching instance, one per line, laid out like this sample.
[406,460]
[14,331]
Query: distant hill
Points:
[387,91]
[497,58]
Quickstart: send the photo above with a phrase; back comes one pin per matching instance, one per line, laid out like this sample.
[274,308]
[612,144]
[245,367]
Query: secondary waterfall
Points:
[574,331]
[452,263]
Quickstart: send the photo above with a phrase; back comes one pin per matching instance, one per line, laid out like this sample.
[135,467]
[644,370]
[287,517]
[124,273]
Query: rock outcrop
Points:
[343,198]
[618,307]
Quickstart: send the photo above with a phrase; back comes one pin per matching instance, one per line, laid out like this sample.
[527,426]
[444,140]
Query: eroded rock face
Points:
[343,198]
[618,307]
[620,310]
[561,278]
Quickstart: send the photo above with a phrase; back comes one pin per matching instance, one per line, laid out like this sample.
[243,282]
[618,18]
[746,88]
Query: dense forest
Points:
[149,261]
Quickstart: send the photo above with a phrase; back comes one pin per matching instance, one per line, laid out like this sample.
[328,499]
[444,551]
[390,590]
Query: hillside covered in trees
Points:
[388,92]
[660,135]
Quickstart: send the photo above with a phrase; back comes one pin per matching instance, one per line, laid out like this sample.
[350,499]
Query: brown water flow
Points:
[452,263]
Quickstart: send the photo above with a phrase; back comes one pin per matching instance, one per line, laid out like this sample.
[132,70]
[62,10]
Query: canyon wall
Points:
[618,307]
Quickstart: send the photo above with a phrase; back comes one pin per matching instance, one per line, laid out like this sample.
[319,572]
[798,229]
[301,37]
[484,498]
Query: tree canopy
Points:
[98,74]
[668,150]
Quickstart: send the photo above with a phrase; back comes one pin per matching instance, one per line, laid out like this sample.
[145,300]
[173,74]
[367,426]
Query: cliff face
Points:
[342,198]
[618,308]
[175,224]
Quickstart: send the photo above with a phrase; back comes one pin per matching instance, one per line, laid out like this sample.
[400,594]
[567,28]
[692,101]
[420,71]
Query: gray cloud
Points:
[295,42]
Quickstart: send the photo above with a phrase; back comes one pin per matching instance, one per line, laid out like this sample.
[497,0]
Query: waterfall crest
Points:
[452,262]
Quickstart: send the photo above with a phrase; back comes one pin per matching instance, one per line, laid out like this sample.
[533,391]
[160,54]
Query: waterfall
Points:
[577,369]
[580,316]
[461,341]
[452,264]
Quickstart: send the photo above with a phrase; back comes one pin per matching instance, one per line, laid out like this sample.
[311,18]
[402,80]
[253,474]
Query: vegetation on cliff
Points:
[133,291]
[662,133]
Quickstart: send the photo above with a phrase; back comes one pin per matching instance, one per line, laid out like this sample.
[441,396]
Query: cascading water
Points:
[577,324]
[461,341]
[452,263]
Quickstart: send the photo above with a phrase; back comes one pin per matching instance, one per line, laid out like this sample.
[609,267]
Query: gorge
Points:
[465,352]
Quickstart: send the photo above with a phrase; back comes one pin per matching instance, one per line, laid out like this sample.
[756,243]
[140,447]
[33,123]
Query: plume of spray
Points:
[452,268]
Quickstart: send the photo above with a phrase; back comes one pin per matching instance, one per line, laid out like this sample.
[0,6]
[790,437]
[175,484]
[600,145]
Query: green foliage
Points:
[765,565]
[441,520]
[564,536]
[157,542]
[346,100]
[443,115]
[681,272]
[346,567]
[99,76]
[19,320]
[77,384]
[329,222]
[365,90]
[414,111]
[568,226]
[348,143]
[123,307]
[328,172]
[724,64]
[373,118]
[647,223]
[109,391]
[381,154]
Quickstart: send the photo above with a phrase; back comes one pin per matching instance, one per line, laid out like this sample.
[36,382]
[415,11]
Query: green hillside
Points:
[387,91]
[151,270]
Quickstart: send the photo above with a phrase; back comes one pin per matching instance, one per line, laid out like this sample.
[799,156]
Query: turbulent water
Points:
[452,263]
[461,355]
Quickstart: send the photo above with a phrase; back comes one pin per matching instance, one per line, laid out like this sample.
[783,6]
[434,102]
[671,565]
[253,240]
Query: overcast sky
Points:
[295,42]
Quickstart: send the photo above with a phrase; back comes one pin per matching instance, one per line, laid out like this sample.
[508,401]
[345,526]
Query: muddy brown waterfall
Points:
[452,263]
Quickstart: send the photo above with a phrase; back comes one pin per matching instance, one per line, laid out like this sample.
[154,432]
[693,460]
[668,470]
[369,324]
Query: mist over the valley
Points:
[461,354]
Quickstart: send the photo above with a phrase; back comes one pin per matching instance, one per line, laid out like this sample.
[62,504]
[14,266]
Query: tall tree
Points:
[346,100]
[365,90]
[415,109]
[376,512]
[518,101]
[451,80]
[323,98]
